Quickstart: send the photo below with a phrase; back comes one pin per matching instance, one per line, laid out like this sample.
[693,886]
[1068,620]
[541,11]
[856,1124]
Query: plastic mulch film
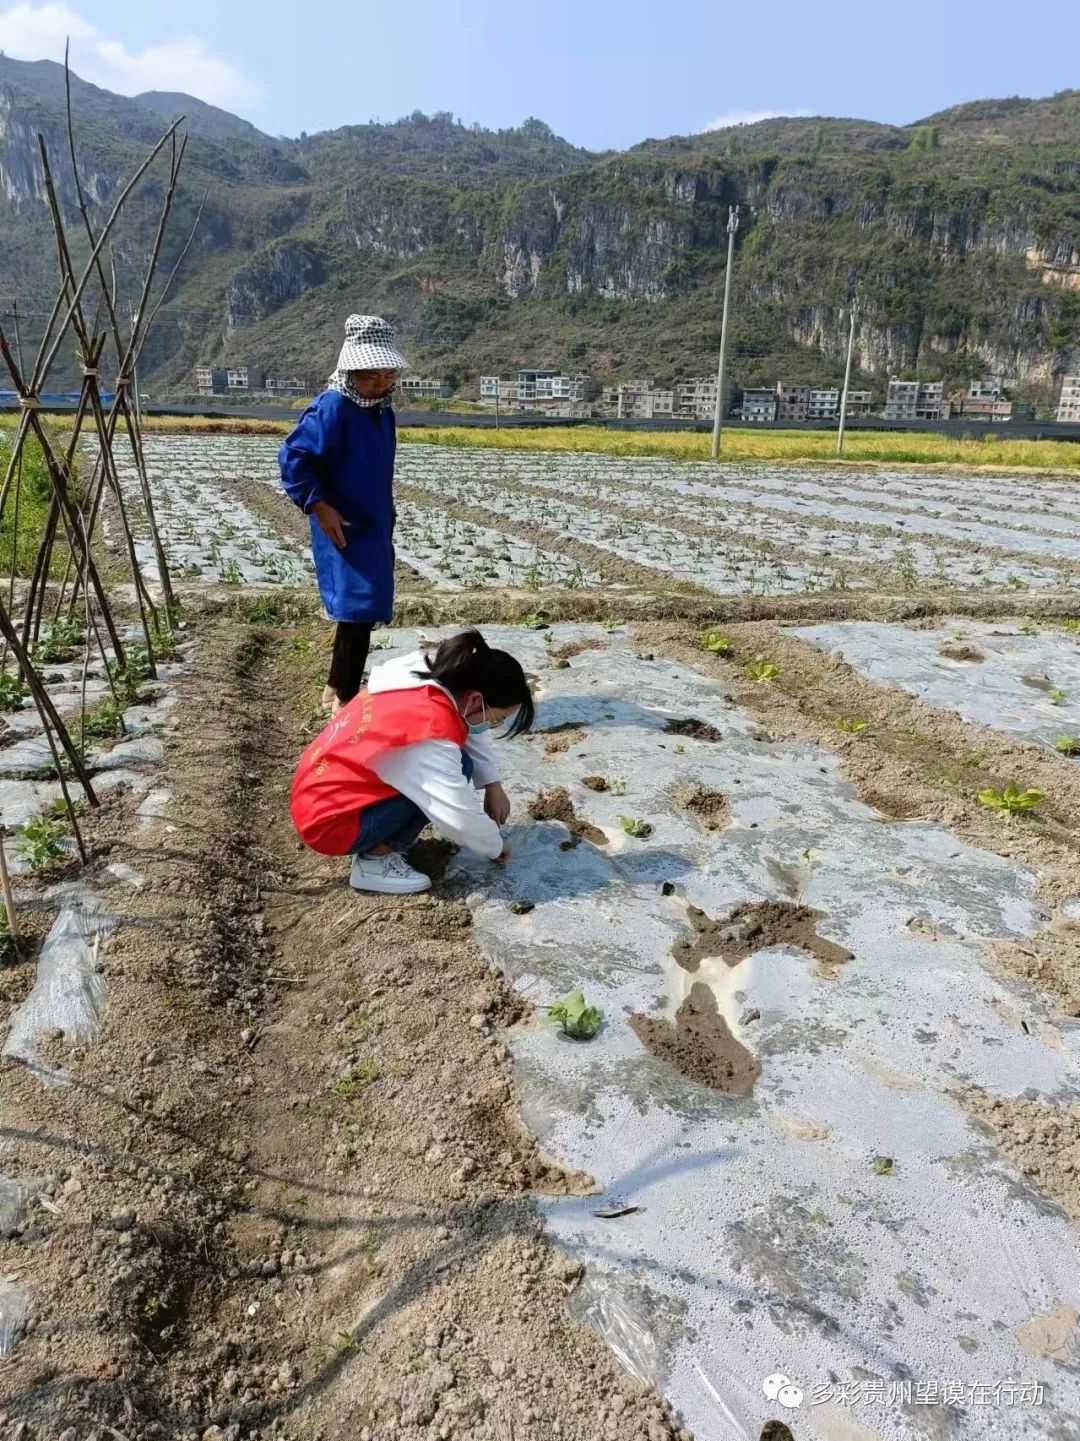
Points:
[833,1216]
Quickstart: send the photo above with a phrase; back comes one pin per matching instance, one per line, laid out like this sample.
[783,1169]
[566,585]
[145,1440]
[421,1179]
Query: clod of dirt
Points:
[522,908]
[1041,1138]
[432,855]
[698,729]
[556,805]
[710,807]
[561,737]
[700,1045]
[594,783]
[960,652]
[574,647]
[755,926]
[776,1431]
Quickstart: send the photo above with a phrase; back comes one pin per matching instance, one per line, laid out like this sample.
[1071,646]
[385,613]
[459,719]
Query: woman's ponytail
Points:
[466,662]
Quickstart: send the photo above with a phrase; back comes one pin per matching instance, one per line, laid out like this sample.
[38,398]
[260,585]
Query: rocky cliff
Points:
[961,241]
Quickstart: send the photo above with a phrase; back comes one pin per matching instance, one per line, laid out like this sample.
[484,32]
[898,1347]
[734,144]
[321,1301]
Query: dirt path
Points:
[287,1189]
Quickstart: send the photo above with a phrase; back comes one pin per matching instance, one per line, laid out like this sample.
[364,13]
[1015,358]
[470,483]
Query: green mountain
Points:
[494,249]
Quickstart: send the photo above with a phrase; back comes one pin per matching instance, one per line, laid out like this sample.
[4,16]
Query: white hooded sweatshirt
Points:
[429,772]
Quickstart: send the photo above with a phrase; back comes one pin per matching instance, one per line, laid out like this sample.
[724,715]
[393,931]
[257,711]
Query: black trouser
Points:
[351,642]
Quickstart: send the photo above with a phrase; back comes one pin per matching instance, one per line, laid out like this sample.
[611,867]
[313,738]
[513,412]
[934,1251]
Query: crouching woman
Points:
[408,750]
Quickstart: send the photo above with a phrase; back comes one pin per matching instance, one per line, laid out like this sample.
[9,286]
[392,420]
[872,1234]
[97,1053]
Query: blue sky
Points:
[604,73]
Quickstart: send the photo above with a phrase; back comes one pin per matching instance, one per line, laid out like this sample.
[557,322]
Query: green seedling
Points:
[104,723]
[851,726]
[579,1021]
[59,642]
[1029,628]
[1072,626]
[718,644]
[41,838]
[633,827]
[300,644]
[762,670]
[535,622]
[1068,745]
[680,750]
[883,1165]
[355,1080]
[230,573]
[1058,696]
[616,786]
[1012,801]
[612,625]
[12,691]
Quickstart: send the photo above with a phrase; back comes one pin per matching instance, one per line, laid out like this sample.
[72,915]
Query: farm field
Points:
[595,519]
[762,824]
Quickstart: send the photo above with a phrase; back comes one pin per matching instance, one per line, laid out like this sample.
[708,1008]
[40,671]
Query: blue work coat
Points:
[343,453]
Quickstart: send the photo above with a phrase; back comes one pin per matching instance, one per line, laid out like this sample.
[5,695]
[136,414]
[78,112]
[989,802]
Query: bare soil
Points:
[556,805]
[1042,1141]
[961,652]
[699,730]
[699,1045]
[709,806]
[287,1192]
[755,926]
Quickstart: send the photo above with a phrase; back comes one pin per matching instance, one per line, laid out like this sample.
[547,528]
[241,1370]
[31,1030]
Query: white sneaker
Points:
[389,875]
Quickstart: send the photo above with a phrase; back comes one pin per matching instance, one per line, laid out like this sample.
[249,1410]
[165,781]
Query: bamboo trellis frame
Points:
[85,318]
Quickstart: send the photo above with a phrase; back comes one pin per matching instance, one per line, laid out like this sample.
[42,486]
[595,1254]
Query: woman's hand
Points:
[502,858]
[331,522]
[497,803]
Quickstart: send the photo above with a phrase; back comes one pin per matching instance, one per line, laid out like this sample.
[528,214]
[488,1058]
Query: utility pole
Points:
[854,315]
[732,226]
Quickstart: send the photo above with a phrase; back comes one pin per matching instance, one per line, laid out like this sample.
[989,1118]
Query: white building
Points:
[1069,404]
[759,405]
[824,403]
[916,400]
[696,399]
[418,387]
[987,387]
[552,391]
[637,400]
[286,384]
[860,402]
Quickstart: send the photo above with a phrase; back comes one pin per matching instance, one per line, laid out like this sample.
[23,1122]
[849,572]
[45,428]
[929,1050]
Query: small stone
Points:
[434,1155]
[667,889]
[230,1382]
[72,1186]
[123,1221]
[286,1373]
[477,1022]
[270,1266]
[247,1035]
[748,1016]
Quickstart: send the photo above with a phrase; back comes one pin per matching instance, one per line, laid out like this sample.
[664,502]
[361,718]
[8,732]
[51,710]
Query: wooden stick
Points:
[9,899]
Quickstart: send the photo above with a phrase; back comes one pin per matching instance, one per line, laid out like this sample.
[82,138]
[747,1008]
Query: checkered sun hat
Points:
[369,345]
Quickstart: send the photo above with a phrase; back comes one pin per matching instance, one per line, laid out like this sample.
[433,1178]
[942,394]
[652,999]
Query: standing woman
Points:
[337,465]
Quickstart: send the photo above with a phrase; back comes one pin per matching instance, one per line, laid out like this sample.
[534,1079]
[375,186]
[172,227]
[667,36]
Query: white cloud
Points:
[748,117]
[183,62]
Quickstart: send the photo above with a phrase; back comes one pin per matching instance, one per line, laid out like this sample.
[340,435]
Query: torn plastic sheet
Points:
[12,1312]
[1027,684]
[764,1219]
[69,991]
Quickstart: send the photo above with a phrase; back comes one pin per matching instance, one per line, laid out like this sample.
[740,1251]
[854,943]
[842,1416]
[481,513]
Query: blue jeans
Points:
[397,821]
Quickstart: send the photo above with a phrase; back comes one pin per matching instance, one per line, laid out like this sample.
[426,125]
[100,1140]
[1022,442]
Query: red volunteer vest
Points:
[334,780]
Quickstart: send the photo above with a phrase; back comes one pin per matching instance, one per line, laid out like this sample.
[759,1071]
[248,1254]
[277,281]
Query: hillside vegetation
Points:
[492,249]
